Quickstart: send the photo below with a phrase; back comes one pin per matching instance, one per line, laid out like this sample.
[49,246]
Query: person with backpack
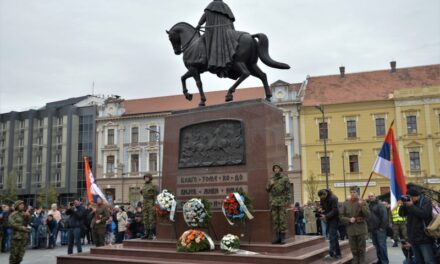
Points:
[417,209]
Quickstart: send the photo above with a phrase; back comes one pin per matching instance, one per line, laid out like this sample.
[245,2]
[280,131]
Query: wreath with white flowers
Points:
[166,205]
[230,243]
[196,212]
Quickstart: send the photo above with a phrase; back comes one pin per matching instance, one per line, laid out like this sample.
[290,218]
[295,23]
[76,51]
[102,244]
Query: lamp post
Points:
[321,109]
[48,176]
[158,159]
[343,174]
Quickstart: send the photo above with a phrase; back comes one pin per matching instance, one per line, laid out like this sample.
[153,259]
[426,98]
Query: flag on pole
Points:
[93,191]
[388,165]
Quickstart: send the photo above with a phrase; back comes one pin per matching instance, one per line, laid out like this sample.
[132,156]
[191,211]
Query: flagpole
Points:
[371,174]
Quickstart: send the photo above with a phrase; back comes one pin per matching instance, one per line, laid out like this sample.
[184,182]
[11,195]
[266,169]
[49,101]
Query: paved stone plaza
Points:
[48,256]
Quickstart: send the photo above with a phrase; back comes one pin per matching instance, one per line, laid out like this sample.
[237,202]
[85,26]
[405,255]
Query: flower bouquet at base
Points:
[194,241]
[165,205]
[237,206]
[196,212]
[230,243]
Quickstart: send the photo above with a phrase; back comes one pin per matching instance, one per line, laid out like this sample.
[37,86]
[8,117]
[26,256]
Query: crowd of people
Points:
[76,223]
[360,220]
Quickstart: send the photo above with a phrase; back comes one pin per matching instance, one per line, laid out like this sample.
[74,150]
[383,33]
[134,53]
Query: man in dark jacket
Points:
[35,223]
[330,214]
[418,211]
[76,213]
[377,225]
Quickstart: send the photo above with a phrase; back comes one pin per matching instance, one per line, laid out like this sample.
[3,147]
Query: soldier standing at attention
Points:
[149,193]
[99,220]
[280,195]
[18,221]
[353,215]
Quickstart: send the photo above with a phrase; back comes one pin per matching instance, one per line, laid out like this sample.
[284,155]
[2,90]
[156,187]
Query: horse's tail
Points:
[263,53]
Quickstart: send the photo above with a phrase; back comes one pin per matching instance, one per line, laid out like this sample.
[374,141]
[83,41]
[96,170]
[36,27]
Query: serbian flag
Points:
[93,191]
[388,165]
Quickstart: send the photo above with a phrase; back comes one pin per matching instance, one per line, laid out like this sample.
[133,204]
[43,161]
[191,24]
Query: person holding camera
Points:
[76,213]
[418,211]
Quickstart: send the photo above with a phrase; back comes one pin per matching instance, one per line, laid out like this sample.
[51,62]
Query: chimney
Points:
[393,66]
[342,71]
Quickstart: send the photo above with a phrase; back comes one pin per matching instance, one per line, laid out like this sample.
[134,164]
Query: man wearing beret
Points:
[418,212]
[149,192]
[18,221]
[280,195]
[353,215]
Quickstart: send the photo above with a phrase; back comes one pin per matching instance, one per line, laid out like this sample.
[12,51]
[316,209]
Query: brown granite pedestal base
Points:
[298,250]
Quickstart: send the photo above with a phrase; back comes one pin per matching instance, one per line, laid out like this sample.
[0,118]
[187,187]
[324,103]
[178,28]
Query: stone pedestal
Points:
[212,134]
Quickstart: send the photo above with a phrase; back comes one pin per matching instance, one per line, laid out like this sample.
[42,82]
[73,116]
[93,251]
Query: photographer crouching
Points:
[76,213]
[418,210]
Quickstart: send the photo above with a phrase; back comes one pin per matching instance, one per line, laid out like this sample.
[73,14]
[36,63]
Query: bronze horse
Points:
[186,39]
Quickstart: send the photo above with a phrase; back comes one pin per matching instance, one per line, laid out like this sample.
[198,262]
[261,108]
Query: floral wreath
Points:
[230,243]
[236,206]
[194,241]
[166,205]
[196,212]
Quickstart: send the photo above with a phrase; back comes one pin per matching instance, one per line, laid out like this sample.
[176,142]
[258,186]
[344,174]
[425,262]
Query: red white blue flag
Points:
[93,191]
[388,165]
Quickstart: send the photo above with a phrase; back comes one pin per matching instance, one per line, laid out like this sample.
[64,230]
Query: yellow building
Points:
[358,109]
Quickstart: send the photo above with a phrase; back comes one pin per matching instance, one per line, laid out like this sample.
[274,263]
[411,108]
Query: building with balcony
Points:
[44,147]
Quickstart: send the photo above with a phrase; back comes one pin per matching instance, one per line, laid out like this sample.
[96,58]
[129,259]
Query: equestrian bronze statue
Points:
[221,50]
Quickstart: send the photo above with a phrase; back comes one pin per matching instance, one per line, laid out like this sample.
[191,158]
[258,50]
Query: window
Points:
[21,124]
[134,135]
[1,162]
[354,163]
[2,142]
[134,195]
[38,158]
[135,163]
[110,164]
[40,122]
[21,142]
[153,133]
[411,124]
[58,158]
[153,162]
[38,177]
[351,128]
[58,179]
[20,160]
[19,179]
[59,139]
[323,130]
[325,165]
[110,137]
[60,121]
[40,141]
[380,126]
[414,161]
[2,126]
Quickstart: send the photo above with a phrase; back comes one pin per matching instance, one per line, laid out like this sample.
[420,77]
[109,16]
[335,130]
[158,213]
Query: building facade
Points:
[127,147]
[344,119]
[44,147]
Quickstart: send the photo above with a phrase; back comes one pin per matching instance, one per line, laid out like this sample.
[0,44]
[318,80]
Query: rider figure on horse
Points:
[220,40]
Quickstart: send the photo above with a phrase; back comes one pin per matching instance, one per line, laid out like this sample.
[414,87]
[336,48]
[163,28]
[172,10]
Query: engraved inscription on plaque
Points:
[212,143]
[213,179]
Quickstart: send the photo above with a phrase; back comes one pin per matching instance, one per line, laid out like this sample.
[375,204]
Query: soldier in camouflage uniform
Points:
[18,221]
[353,215]
[149,192]
[280,195]
[99,221]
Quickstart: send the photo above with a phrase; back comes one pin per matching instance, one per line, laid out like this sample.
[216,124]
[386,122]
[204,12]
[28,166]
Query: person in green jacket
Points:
[18,221]
[279,196]
[99,220]
[354,214]
[149,192]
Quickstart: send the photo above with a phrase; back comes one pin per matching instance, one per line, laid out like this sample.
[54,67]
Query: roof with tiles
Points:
[178,102]
[368,86]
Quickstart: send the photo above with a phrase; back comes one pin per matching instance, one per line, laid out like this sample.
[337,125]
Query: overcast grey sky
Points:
[55,49]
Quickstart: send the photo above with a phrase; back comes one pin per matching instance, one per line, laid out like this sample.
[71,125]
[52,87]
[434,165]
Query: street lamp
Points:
[158,160]
[321,109]
[343,174]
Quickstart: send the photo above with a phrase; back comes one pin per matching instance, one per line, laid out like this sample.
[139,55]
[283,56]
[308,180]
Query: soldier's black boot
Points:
[153,233]
[282,237]
[147,234]
[277,240]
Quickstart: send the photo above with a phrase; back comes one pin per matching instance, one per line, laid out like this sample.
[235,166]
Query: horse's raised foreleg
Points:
[196,74]
[188,96]
[244,74]
[257,72]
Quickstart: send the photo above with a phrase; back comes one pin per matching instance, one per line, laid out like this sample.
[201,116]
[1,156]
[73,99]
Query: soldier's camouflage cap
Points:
[17,203]
[277,165]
